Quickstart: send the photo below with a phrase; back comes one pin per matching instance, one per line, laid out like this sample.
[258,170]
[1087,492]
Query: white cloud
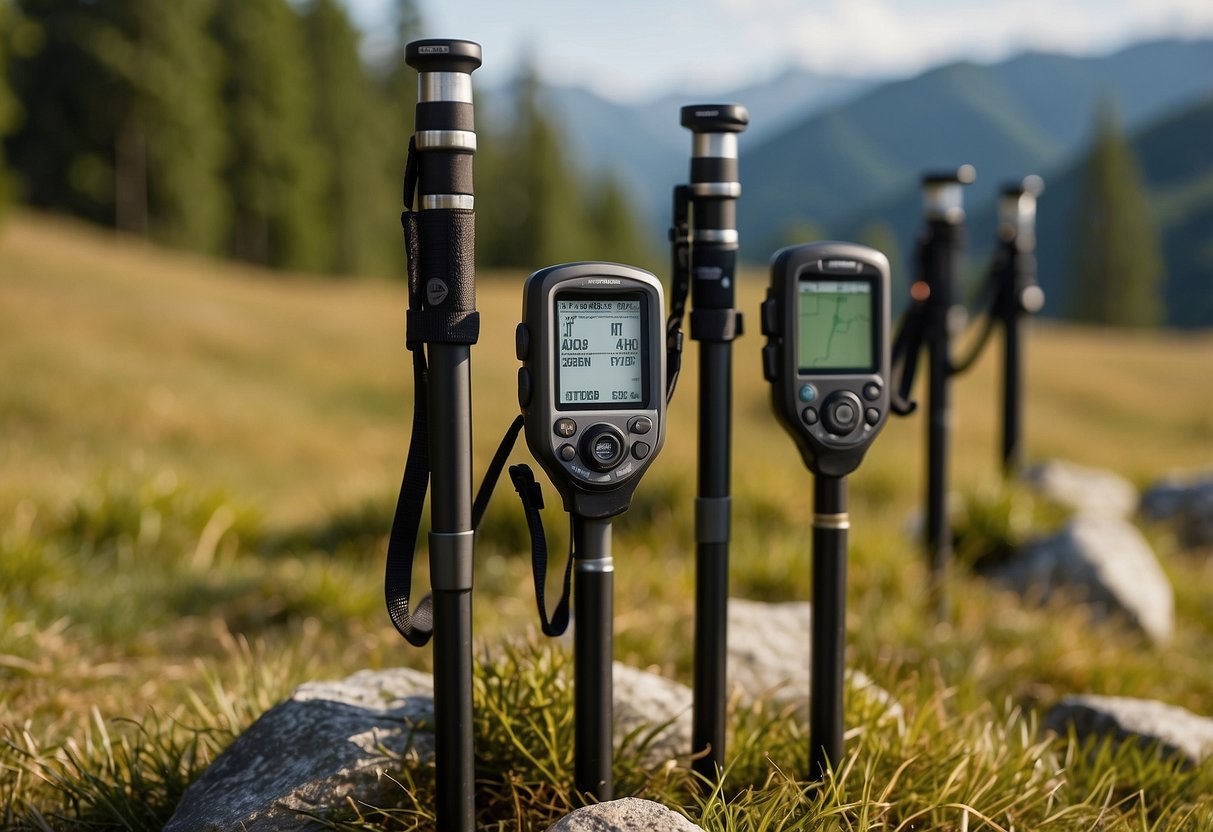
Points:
[890,36]
[634,48]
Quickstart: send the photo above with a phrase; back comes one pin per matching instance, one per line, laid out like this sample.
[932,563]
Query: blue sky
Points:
[635,49]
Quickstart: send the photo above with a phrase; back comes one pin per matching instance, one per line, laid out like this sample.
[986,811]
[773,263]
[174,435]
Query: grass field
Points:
[200,462]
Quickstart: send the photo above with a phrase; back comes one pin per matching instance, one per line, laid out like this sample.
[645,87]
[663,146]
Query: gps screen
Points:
[835,327]
[599,357]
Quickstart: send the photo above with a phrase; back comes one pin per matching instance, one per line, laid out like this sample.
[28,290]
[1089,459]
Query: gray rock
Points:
[1176,731]
[631,814]
[769,648]
[769,655]
[656,710]
[1083,490]
[333,740]
[329,740]
[1102,561]
[1187,502]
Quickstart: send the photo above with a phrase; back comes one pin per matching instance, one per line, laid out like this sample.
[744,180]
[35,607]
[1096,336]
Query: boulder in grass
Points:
[334,741]
[1185,502]
[327,742]
[769,656]
[331,741]
[631,814]
[1102,561]
[655,710]
[1081,489]
[1174,731]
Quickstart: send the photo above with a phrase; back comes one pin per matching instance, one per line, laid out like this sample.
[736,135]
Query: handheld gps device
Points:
[592,382]
[826,318]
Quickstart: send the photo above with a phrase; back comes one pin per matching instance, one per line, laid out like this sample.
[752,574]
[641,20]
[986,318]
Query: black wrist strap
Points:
[531,496]
[987,305]
[485,492]
[418,626]
[680,286]
[906,346]
[446,316]
[532,501]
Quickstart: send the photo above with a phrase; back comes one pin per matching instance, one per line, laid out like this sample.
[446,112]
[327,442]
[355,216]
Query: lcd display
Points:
[599,355]
[835,327]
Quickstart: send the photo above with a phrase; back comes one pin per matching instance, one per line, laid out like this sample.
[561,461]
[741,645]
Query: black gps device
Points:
[592,382]
[826,318]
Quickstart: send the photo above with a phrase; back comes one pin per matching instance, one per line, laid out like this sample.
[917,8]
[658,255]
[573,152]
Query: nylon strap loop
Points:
[532,501]
[680,257]
[417,626]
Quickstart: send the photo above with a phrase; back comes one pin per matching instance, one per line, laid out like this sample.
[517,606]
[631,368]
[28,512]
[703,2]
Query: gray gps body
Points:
[826,318]
[592,382]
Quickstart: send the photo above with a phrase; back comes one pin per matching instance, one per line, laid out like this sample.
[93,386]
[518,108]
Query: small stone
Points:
[1185,502]
[769,656]
[329,740]
[1176,731]
[1102,561]
[655,707]
[630,814]
[1081,489]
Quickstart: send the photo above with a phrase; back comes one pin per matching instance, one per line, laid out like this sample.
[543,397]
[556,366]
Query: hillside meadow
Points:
[200,461]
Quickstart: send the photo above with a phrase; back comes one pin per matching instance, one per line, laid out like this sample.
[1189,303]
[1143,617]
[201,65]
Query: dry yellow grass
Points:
[293,394]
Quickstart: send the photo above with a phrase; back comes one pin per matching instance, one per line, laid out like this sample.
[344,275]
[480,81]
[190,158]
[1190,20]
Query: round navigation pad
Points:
[841,413]
[602,447]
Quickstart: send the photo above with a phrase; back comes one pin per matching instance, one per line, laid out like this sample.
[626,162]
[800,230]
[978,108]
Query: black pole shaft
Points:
[1012,378]
[941,255]
[712,556]
[828,656]
[445,142]
[713,191]
[451,524]
[593,641]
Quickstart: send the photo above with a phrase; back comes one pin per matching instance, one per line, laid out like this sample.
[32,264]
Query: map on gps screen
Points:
[835,331]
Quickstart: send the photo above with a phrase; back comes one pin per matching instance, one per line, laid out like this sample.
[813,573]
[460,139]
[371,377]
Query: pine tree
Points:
[879,234]
[122,126]
[175,121]
[276,169]
[534,207]
[14,30]
[63,150]
[348,125]
[613,221]
[1117,266]
[399,82]
[397,86]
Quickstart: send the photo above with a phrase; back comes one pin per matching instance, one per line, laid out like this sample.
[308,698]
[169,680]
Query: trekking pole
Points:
[442,325]
[715,322]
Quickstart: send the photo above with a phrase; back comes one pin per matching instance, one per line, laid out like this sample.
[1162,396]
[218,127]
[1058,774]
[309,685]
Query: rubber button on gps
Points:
[567,452]
[640,450]
[808,393]
[809,414]
[770,362]
[564,427]
[641,425]
[871,391]
[871,415]
[522,342]
[524,387]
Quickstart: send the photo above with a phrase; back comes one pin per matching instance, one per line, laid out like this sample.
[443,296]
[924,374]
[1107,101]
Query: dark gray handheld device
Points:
[592,382]
[826,318]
